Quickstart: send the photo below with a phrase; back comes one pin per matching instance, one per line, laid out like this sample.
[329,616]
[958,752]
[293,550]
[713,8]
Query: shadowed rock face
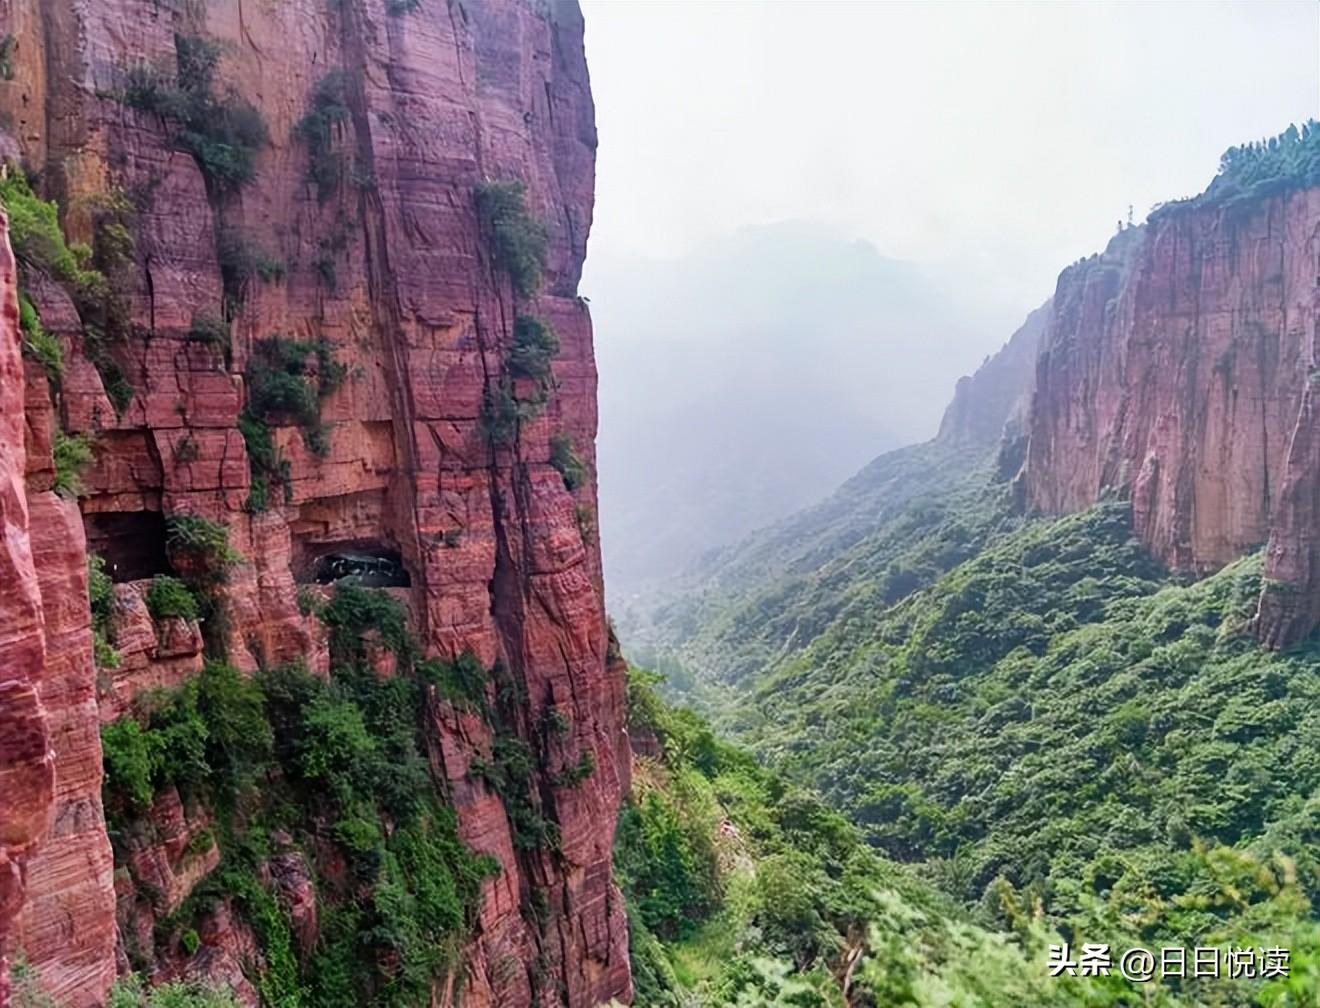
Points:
[1176,370]
[390,266]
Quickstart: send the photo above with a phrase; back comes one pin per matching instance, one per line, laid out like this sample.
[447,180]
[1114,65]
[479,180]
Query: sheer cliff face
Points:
[1176,370]
[389,263]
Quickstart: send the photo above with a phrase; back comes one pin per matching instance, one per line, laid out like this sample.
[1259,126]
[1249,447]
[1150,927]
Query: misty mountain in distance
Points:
[746,381]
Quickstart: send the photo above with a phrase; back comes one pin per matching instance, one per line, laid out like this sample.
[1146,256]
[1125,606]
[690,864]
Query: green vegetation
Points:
[283,385]
[337,765]
[24,991]
[72,454]
[129,993]
[585,518]
[223,133]
[1053,734]
[170,598]
[101,600]
[501,414]
[1268,167]
[199,549]
[40,245]
[325,165]
[37,239]
[41,346]
[509,774]
[566,461]
[267,465]
[461,682]
[517,239]
[535,346]
[211,331]
[744,889]
[241,259]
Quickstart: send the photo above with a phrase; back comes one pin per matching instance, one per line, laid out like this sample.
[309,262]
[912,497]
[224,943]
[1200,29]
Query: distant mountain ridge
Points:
[743,605]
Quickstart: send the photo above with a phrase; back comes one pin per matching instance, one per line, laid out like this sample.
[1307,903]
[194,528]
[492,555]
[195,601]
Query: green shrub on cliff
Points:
[38,344]
[325,165]
[101,599]
[517,239]
[200,549]
[72,453]
[534,348]
[169,598]
[129,992]
[283,385]
[566,461]
[224,133]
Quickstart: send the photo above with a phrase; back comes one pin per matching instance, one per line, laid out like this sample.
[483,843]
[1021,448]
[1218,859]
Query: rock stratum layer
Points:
[384,259]
[1178,370]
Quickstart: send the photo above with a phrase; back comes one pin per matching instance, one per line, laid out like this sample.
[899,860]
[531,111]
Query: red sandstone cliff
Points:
[1177,370]
[390,267]
[999,391]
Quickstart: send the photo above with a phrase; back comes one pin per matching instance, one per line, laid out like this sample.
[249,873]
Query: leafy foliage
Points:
[535,346]
[1268,167]
[39,244]
[200,548]
[501,414]
[461,682]
[517,239]
[168,597]
[8,44]
[746,890]
[325,165]
[72,453]
[223,133]
[567,462]
[282,384]
[130,993]
[40,345]
[101,599]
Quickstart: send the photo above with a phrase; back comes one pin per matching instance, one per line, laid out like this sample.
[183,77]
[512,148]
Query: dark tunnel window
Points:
[132,543]
[373,569]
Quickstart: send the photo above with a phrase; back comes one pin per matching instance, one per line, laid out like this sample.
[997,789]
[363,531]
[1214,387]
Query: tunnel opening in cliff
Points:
[132,543]
[371,563]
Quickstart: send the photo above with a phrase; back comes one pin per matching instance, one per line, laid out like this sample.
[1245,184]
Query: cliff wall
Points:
[357,230]
[1176,371]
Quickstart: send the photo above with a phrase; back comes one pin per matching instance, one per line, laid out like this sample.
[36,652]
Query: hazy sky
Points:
[1003,139]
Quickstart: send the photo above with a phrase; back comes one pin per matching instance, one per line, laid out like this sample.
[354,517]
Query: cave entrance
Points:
[369,564]
[132,543]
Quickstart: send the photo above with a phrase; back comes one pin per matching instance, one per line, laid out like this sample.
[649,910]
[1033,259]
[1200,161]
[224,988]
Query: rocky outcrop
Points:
[999,391]
[368,239]
[1176,371]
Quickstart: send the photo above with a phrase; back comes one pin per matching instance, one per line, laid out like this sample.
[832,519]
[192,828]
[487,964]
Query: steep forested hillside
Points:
[745,889]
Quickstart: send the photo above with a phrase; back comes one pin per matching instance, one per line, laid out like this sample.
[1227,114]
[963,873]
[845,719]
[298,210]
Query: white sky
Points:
[1001,139]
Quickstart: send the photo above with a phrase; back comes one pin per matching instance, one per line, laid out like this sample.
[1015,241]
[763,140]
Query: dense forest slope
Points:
[296,293]
[748,889]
